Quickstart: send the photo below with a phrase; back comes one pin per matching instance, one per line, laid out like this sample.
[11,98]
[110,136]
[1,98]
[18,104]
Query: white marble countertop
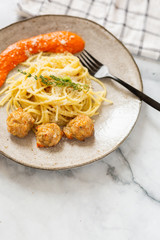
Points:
[117,197]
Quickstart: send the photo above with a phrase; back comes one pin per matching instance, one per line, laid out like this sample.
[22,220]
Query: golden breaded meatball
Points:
[19,123]
[48,135]
[80,127]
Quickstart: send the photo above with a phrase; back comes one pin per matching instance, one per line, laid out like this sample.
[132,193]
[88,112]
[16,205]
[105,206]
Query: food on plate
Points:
[53,87]
[56,42]
[80,127]
[48,135]
[19,123]
[50,89]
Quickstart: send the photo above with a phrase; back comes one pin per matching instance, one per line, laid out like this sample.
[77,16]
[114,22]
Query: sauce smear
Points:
[56,42]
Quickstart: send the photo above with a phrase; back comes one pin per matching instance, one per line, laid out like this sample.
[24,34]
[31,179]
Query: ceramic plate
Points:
[114,122]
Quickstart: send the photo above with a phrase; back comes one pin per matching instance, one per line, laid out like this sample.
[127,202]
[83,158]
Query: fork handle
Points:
[138,93]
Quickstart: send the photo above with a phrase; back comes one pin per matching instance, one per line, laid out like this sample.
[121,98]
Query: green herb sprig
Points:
[25,73]
[60,82]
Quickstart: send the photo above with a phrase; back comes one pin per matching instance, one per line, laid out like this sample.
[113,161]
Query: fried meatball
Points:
[19,123]
[80,127]
[48,135]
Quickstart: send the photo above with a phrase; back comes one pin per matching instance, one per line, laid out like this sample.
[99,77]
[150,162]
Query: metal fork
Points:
[98,70]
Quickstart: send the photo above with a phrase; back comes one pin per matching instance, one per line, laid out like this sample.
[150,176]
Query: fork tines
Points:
[89,62]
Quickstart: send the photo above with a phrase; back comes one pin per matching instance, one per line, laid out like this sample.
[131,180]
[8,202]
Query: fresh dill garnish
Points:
[60,82]
[19,70]
[67,82]
[29,75]
[46,81]
[25,73]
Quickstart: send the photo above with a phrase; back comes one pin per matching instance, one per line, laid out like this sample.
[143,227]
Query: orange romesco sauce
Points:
[56,42]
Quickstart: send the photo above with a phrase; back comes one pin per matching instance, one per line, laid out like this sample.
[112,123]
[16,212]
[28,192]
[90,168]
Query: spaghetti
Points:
[53,87]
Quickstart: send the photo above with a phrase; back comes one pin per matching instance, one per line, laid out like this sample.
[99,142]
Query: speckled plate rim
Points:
[141,83]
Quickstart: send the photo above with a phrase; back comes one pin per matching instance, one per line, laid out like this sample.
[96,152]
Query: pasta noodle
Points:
[53,87]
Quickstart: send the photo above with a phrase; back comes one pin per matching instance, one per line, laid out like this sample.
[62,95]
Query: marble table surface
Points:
[117,197]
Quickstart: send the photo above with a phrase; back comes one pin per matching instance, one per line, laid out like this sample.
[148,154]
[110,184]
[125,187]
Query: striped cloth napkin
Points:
[135,22]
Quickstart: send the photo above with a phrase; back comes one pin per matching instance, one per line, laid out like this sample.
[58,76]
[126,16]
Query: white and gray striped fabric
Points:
[135,22]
